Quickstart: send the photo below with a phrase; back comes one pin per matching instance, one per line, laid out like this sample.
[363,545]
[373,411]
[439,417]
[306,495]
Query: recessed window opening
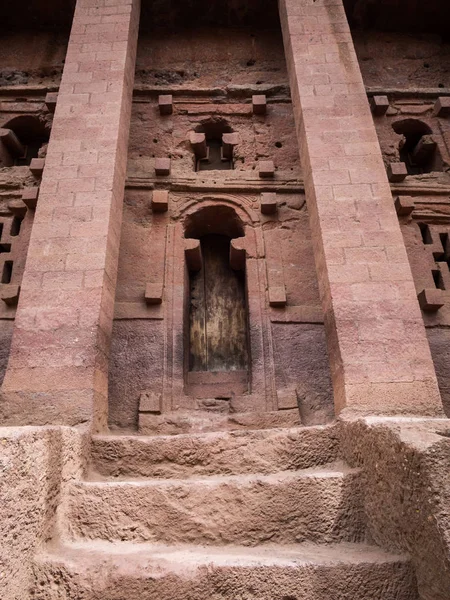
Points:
[32,134]
[425,233]
[7,271]
[438,279]
[4,247]
[418,147]
[215,160]
[16,224]
[444,241]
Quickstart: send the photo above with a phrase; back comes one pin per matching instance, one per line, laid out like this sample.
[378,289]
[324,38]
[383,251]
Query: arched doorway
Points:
[217,349]
[217,310]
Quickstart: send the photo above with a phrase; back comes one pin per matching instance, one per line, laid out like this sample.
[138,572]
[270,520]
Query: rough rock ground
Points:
[247,515]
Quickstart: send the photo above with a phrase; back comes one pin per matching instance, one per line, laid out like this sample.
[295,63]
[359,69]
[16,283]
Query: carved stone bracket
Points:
[193,254]
[160,201]
[266,169]
[238,251]
[154,293]
[437,245]
[404,205]
[165,104]
[162,167]
[198,144]
[268,203]
[9,293]
[379,105]
[50,101]
[229,141]
[11,143]
[30,197]
[275,271]
[442,106]
[431,300]
[37,166]
[396,172]
[259,104]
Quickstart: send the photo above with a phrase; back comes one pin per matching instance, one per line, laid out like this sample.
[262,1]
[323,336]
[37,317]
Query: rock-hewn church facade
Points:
[225,300]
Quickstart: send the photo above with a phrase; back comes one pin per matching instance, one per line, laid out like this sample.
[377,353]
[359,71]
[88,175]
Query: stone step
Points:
[257,451]
[115,571]
[320,505]
[214,419]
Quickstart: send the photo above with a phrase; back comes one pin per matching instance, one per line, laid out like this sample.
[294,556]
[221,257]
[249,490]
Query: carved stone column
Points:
[380,359]
[57,372]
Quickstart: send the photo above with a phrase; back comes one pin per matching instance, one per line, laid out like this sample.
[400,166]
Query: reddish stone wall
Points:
[402,60]
[432,213]
[28,69]
[412,71]
[211,58]
[32,58]
[288,352]
[225,67]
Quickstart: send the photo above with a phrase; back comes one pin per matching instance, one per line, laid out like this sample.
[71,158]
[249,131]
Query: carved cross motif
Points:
[436,241]
[9,233]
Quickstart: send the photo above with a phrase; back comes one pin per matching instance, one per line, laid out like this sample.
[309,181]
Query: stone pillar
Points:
[380,359]
[58,367]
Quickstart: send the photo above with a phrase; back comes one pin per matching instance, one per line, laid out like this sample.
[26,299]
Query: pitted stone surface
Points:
[263,451]
[321,505]
[304,572]
[405,465]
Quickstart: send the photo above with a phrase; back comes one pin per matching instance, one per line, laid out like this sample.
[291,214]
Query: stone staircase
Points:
[247,515]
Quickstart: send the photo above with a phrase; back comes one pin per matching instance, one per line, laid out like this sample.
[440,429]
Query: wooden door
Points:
[217,312]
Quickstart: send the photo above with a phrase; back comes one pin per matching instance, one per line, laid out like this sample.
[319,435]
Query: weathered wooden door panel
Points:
[197,325]
[218,315]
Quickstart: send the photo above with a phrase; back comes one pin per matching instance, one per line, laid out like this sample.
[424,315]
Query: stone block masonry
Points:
[57,372]
[380,359]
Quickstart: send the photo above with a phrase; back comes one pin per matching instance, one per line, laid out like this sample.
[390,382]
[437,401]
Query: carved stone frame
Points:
[261,396]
